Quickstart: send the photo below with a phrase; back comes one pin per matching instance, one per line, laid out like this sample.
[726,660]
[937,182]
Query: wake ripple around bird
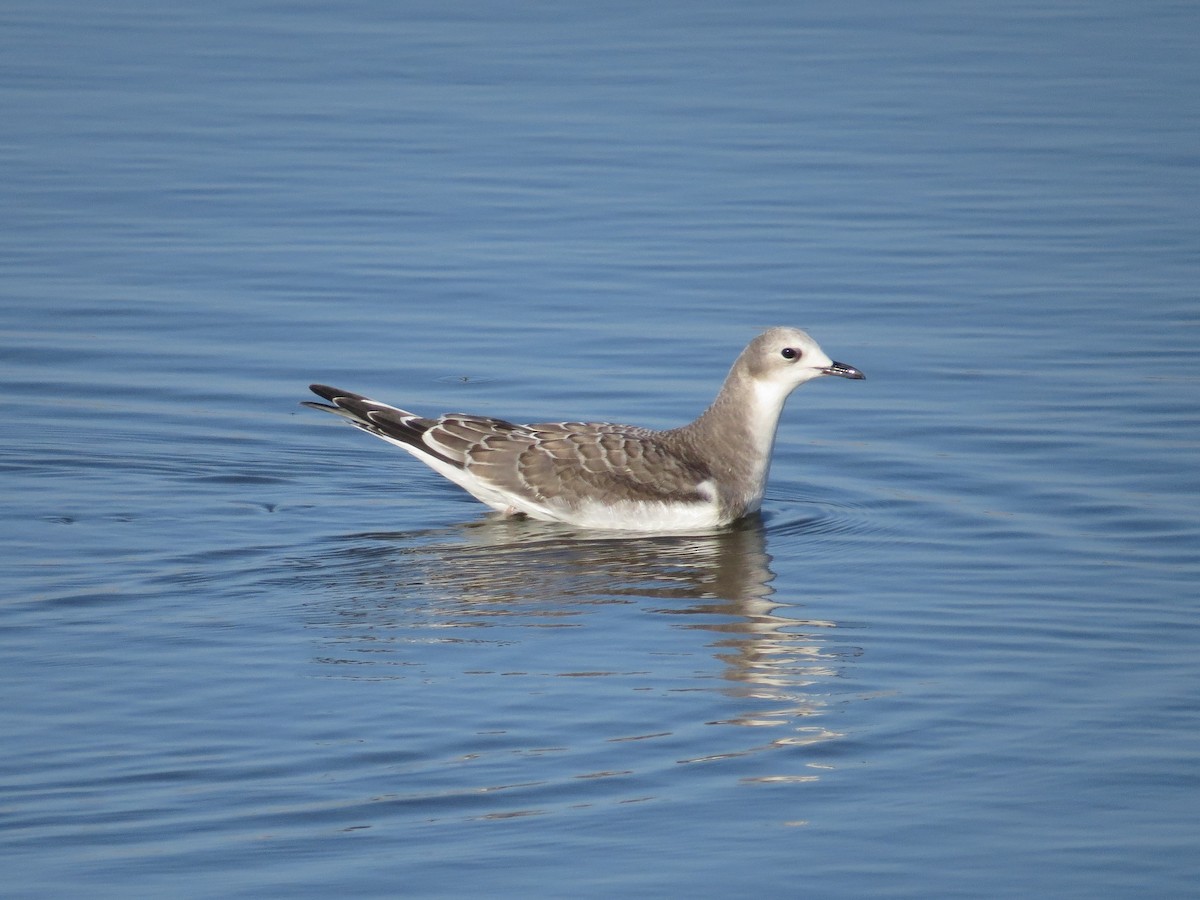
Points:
[800,515]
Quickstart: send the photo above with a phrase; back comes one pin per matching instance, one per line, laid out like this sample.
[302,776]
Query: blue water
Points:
[246,651]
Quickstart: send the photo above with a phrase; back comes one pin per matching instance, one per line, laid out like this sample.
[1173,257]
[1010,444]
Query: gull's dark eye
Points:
[789,353]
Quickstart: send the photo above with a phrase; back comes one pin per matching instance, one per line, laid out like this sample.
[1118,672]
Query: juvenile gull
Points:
[597,475]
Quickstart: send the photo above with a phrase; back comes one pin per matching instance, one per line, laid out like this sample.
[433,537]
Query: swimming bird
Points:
[702,475]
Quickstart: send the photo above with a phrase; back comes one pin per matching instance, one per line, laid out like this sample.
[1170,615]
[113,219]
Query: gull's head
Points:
[785,358]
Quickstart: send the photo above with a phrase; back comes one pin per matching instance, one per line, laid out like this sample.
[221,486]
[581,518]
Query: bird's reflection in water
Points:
[516,573]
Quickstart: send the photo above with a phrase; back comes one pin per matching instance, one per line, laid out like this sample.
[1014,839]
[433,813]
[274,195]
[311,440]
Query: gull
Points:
[703,475]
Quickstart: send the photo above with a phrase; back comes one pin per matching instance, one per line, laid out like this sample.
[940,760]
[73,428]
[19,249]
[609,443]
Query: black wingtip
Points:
[324,390]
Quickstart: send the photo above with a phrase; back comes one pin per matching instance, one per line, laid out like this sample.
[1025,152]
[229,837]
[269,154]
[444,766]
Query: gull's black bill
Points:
[843,371]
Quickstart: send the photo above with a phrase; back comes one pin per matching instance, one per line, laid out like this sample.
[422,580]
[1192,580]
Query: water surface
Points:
[246,651]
